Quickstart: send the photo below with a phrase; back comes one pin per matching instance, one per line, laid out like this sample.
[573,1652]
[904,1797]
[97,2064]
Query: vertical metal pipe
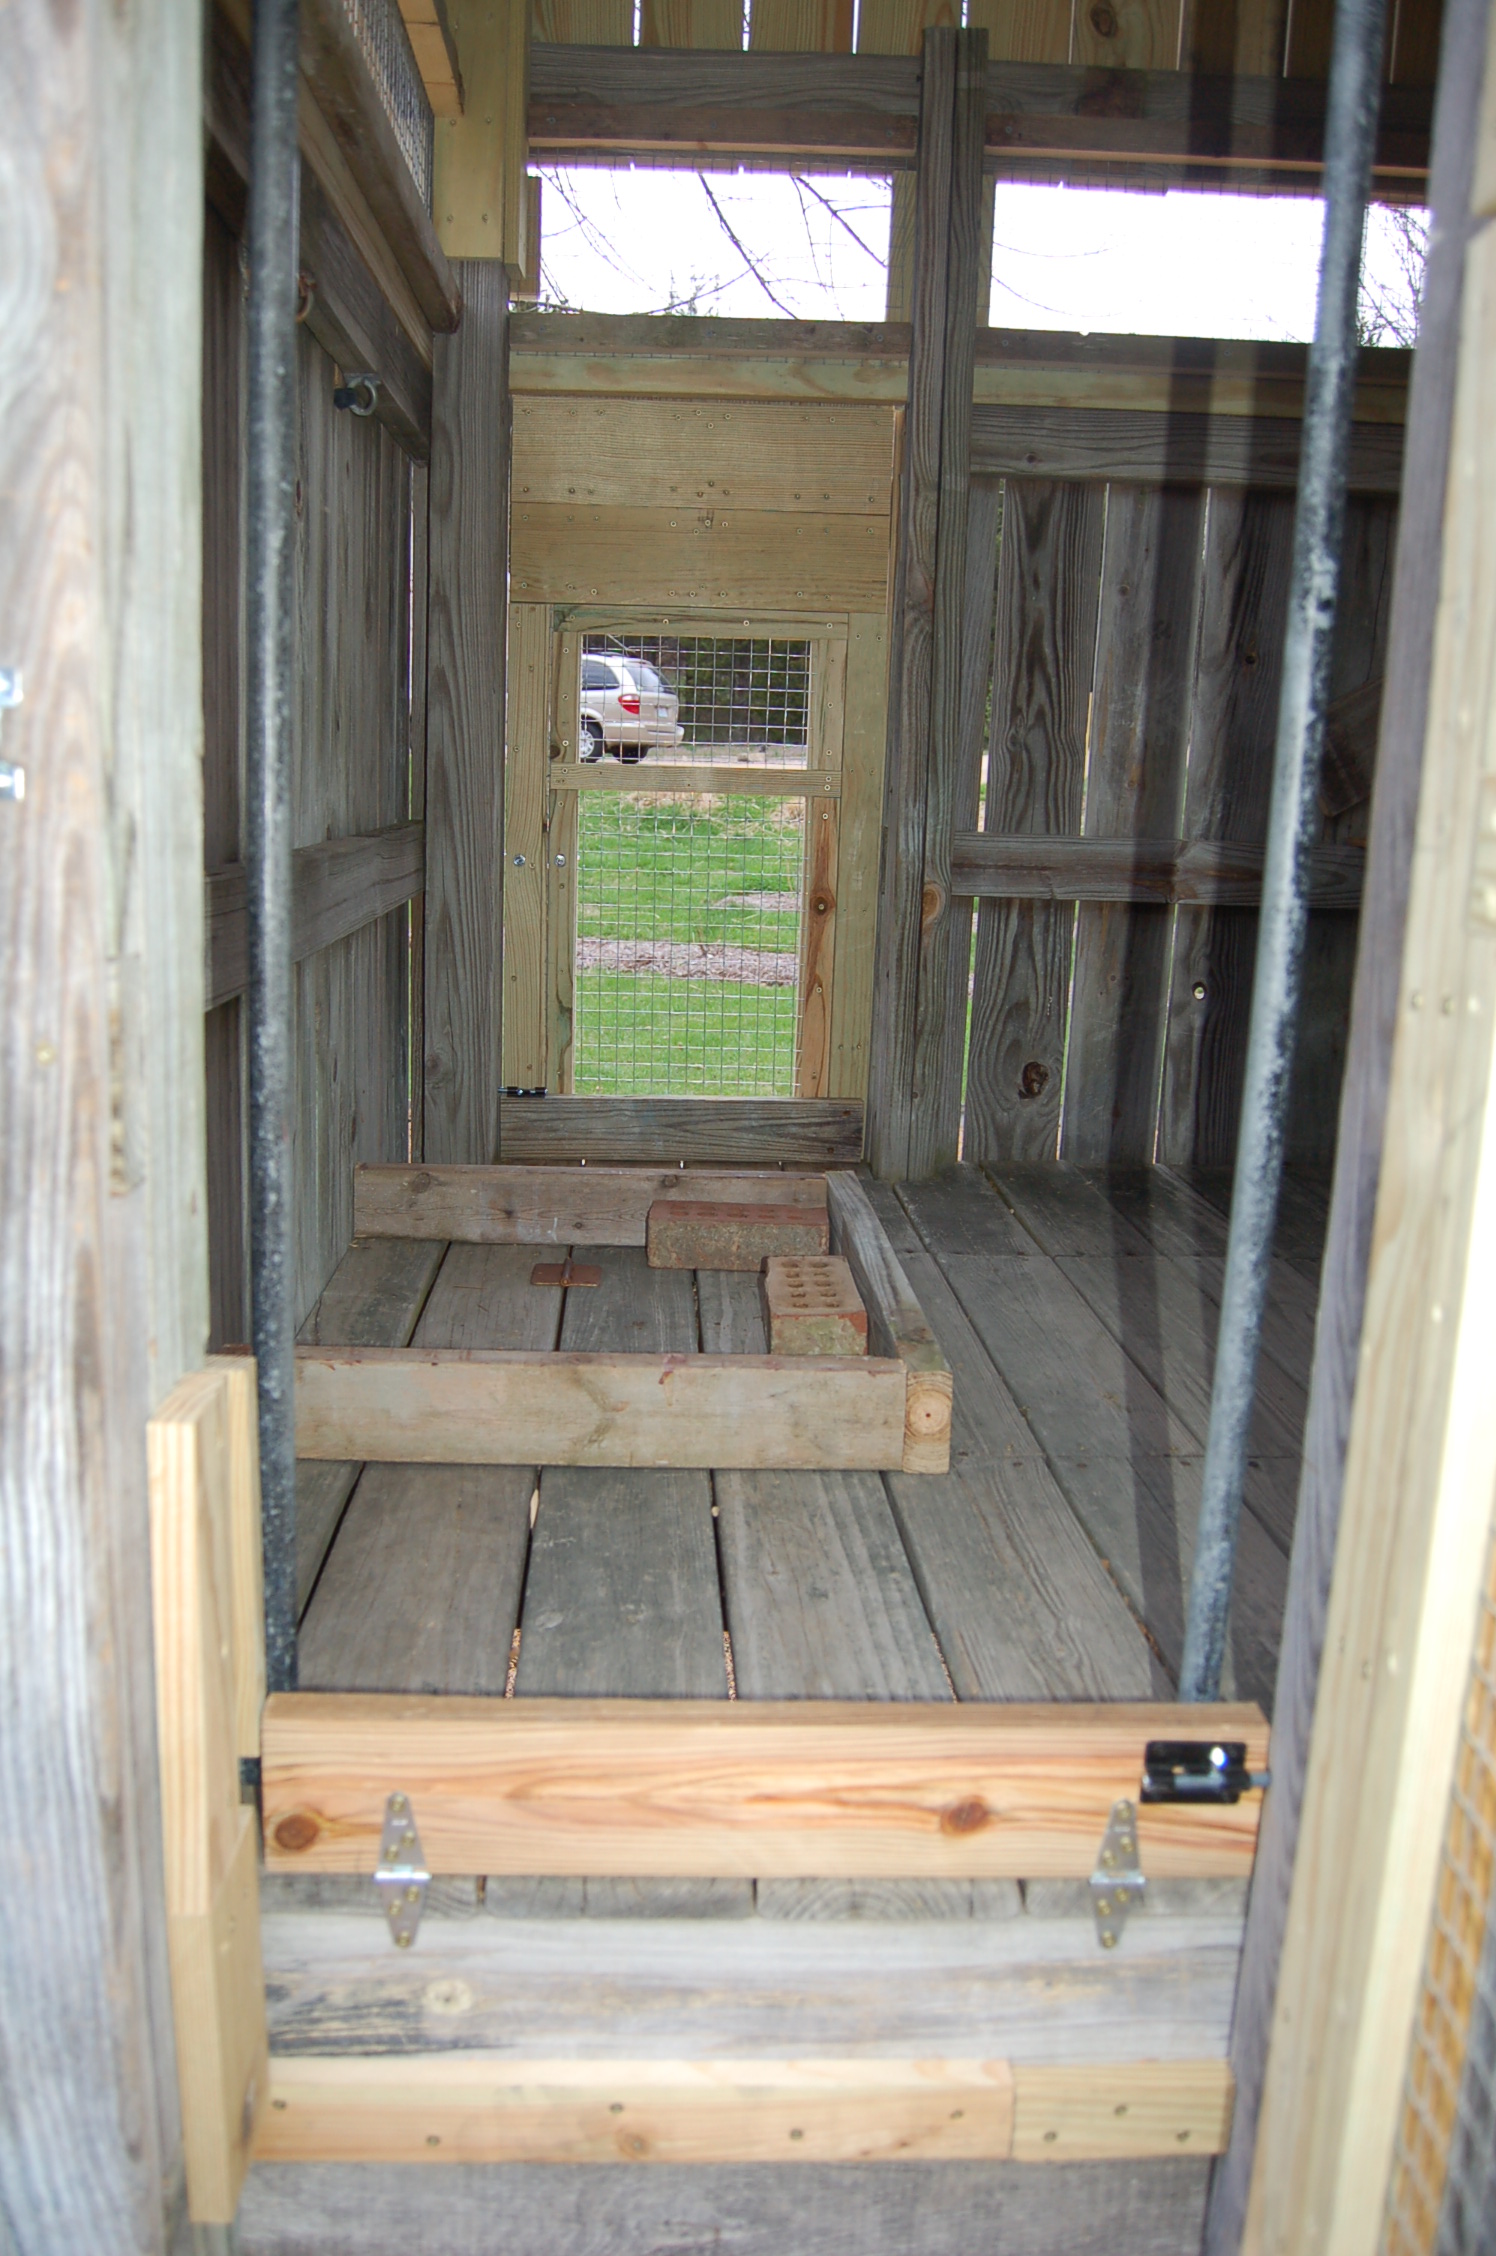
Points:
[270,621]
[1350,138]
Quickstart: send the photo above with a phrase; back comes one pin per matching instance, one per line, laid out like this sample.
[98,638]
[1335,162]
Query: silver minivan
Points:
[627,708]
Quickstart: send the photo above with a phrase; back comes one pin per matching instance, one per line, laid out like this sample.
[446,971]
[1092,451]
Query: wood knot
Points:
[296,1832]
[1034,1079]
[931,902]
[1103,21]
[965,1817]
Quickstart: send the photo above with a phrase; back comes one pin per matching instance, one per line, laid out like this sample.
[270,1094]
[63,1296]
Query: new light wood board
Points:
[475,2107]
[762,1788]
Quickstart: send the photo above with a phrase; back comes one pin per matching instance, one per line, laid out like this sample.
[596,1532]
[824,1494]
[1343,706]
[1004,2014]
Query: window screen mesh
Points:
[1443,2193]
[689,905]
[381,33]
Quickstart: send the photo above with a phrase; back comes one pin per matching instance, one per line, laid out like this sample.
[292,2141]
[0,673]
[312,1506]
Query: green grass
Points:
[658,868]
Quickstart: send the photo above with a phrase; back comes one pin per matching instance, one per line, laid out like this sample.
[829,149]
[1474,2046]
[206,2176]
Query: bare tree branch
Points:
[742,251]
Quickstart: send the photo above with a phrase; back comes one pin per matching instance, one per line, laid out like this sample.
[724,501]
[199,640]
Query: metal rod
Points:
[1319,520]
[270,621]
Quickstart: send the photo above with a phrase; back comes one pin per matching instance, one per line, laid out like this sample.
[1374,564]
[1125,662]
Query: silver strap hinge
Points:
[401,1877]
[1117,1884]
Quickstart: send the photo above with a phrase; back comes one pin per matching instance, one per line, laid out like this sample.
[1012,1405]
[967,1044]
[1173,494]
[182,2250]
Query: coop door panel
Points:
[689,931]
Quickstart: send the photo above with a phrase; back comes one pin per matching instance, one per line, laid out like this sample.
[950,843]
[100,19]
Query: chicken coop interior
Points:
[754,771]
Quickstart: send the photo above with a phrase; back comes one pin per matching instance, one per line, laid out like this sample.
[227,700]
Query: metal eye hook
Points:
[359,395]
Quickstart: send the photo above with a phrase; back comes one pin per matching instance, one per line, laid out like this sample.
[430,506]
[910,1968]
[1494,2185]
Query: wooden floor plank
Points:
[1079,1391]
[622,1597]
[1142,1514]
[421,1590]
[1064,1211]
[1161,1314]
[1168,1215]
[1303,1213]
[959,1212]
[373,1299]
[1021,1603]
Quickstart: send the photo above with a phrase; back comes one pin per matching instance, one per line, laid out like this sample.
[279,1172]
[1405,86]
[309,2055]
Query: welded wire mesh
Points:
[689,905]
[1442,2200]
[740,700]
[381,33]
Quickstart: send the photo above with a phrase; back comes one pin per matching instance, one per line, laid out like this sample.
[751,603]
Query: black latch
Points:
[1197,1770]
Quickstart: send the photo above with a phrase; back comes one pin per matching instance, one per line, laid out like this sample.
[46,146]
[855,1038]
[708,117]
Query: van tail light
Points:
[627,701]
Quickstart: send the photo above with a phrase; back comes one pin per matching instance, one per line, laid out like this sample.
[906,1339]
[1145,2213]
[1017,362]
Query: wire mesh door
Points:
[694,787]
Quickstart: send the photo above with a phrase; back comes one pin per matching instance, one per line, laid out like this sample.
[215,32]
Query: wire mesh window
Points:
[1443,2194]
[689,905]
[703,698]
[380,30]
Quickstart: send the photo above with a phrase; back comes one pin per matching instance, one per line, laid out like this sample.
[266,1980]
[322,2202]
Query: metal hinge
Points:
[1117,1884]
[401,1878]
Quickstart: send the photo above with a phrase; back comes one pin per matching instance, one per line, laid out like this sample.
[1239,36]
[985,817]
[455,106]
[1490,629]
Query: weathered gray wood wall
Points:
[1135,660]
[103,1265]
[356,491]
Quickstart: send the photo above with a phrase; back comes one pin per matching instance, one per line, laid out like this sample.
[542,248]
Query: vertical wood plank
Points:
[858,822]
[465,704]
[984,521]
[911,647]
[820,878]
[691,23]
[1024,31]
[1416,31]
[420,601]
[560,872]
[898,298]
[801,27]
[1049,572]
[1247,551]
[1223,38]
[526,758]
[103,1264]
[940,1030]
[1140,718]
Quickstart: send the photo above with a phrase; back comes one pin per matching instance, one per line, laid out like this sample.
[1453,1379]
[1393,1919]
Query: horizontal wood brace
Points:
[865,108]
[1139,870]
[759,1131]
[654,355]
[337,887]
[470,1406]
[552,1206]
[1150,448]
[505,2107]
[651,775]
[788,1789]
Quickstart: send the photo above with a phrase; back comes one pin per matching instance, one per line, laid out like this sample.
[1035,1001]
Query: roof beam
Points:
[601,102]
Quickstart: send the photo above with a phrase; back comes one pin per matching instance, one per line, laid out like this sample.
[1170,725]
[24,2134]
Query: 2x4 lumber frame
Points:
[550,1206]
[479,195]
[348,308]
[1139,448]
[694,1131]
[435,51]
[897,1325]
[337,887]
[502,2107]
[691,1788]
[473,1407]
[864,109]
[466,612]
[989,867]
[1375,1015]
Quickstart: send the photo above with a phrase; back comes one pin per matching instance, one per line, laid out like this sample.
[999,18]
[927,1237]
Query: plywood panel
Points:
[791,27]
[691,23]
[763,559]
[704,455]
